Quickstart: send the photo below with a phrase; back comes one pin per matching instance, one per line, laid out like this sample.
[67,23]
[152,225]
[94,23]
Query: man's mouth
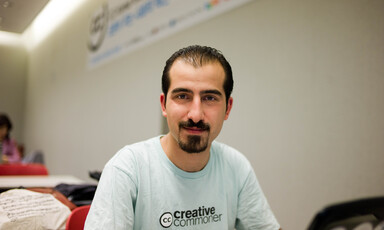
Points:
[194,128]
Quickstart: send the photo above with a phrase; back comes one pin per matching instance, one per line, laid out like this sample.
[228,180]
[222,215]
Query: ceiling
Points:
[17,15]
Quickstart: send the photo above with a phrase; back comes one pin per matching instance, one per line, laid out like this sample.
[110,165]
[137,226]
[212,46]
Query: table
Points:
[37,181]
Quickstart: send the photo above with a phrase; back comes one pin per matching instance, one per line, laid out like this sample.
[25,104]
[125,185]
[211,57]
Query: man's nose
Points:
[196,112]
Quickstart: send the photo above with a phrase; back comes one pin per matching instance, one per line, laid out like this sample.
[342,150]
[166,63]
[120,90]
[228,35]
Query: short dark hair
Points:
[198,56]
[5,121]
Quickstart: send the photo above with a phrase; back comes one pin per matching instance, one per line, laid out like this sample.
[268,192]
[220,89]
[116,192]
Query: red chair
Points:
[19,169]
[76,219]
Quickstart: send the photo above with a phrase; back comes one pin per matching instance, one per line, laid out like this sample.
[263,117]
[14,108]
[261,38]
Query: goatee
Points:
[194,143]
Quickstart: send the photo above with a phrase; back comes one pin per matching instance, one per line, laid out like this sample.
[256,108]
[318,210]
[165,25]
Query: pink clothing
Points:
[9,149]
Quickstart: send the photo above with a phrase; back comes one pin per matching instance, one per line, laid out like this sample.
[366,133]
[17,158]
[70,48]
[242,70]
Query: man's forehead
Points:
[183,66]
[210,74]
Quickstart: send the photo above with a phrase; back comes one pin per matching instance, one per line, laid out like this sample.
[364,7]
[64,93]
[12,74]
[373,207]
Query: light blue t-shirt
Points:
[140,188]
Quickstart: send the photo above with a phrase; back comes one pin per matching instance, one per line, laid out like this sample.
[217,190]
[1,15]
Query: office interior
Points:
[308,96]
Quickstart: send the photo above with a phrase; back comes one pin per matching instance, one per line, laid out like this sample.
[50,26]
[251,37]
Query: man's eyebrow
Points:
[208,91]
[181,90]
[211,91]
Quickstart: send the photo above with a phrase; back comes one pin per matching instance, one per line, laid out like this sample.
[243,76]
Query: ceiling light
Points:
[55,12]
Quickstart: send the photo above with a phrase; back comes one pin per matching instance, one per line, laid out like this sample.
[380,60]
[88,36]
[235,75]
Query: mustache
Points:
[191,124]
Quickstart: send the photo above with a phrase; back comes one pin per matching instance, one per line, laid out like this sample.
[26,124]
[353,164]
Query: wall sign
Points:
[120,26]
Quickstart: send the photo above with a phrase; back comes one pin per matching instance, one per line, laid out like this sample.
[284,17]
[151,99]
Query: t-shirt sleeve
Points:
[253,209]
[114,201]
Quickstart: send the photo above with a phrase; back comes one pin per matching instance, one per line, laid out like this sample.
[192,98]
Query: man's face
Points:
[195,107]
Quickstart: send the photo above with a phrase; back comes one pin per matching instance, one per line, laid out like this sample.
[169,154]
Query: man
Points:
[184,179]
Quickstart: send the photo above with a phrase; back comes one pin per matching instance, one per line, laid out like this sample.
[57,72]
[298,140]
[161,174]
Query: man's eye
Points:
[209,98]
[181,96]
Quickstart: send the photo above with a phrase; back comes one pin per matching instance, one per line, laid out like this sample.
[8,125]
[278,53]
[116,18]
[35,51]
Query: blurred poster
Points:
[120,26]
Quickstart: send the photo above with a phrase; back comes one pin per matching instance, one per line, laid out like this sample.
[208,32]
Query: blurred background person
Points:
[8,147]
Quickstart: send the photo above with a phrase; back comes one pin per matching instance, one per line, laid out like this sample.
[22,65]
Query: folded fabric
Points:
[22,209]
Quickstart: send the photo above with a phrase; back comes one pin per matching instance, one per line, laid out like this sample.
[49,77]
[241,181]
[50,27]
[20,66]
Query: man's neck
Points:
[189,162]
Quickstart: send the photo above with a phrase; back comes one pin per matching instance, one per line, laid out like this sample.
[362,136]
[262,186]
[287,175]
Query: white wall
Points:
[309,98]
[13,64]
[310,101]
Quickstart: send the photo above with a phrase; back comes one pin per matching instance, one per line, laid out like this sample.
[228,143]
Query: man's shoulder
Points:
[231,163]
[229,155]
[135,152]
[142,145]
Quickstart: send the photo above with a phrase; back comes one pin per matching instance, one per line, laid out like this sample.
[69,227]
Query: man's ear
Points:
[162,103]
[229,107]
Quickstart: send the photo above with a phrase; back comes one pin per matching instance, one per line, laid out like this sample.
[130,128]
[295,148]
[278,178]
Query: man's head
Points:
[198,56]
[197,83]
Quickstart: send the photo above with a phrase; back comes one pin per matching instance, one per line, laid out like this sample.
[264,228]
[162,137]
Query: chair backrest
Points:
[351,215]
[34,157]
[76,219]
[22,169]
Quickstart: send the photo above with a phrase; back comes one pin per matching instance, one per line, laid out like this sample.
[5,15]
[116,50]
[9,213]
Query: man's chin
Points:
[193,144]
